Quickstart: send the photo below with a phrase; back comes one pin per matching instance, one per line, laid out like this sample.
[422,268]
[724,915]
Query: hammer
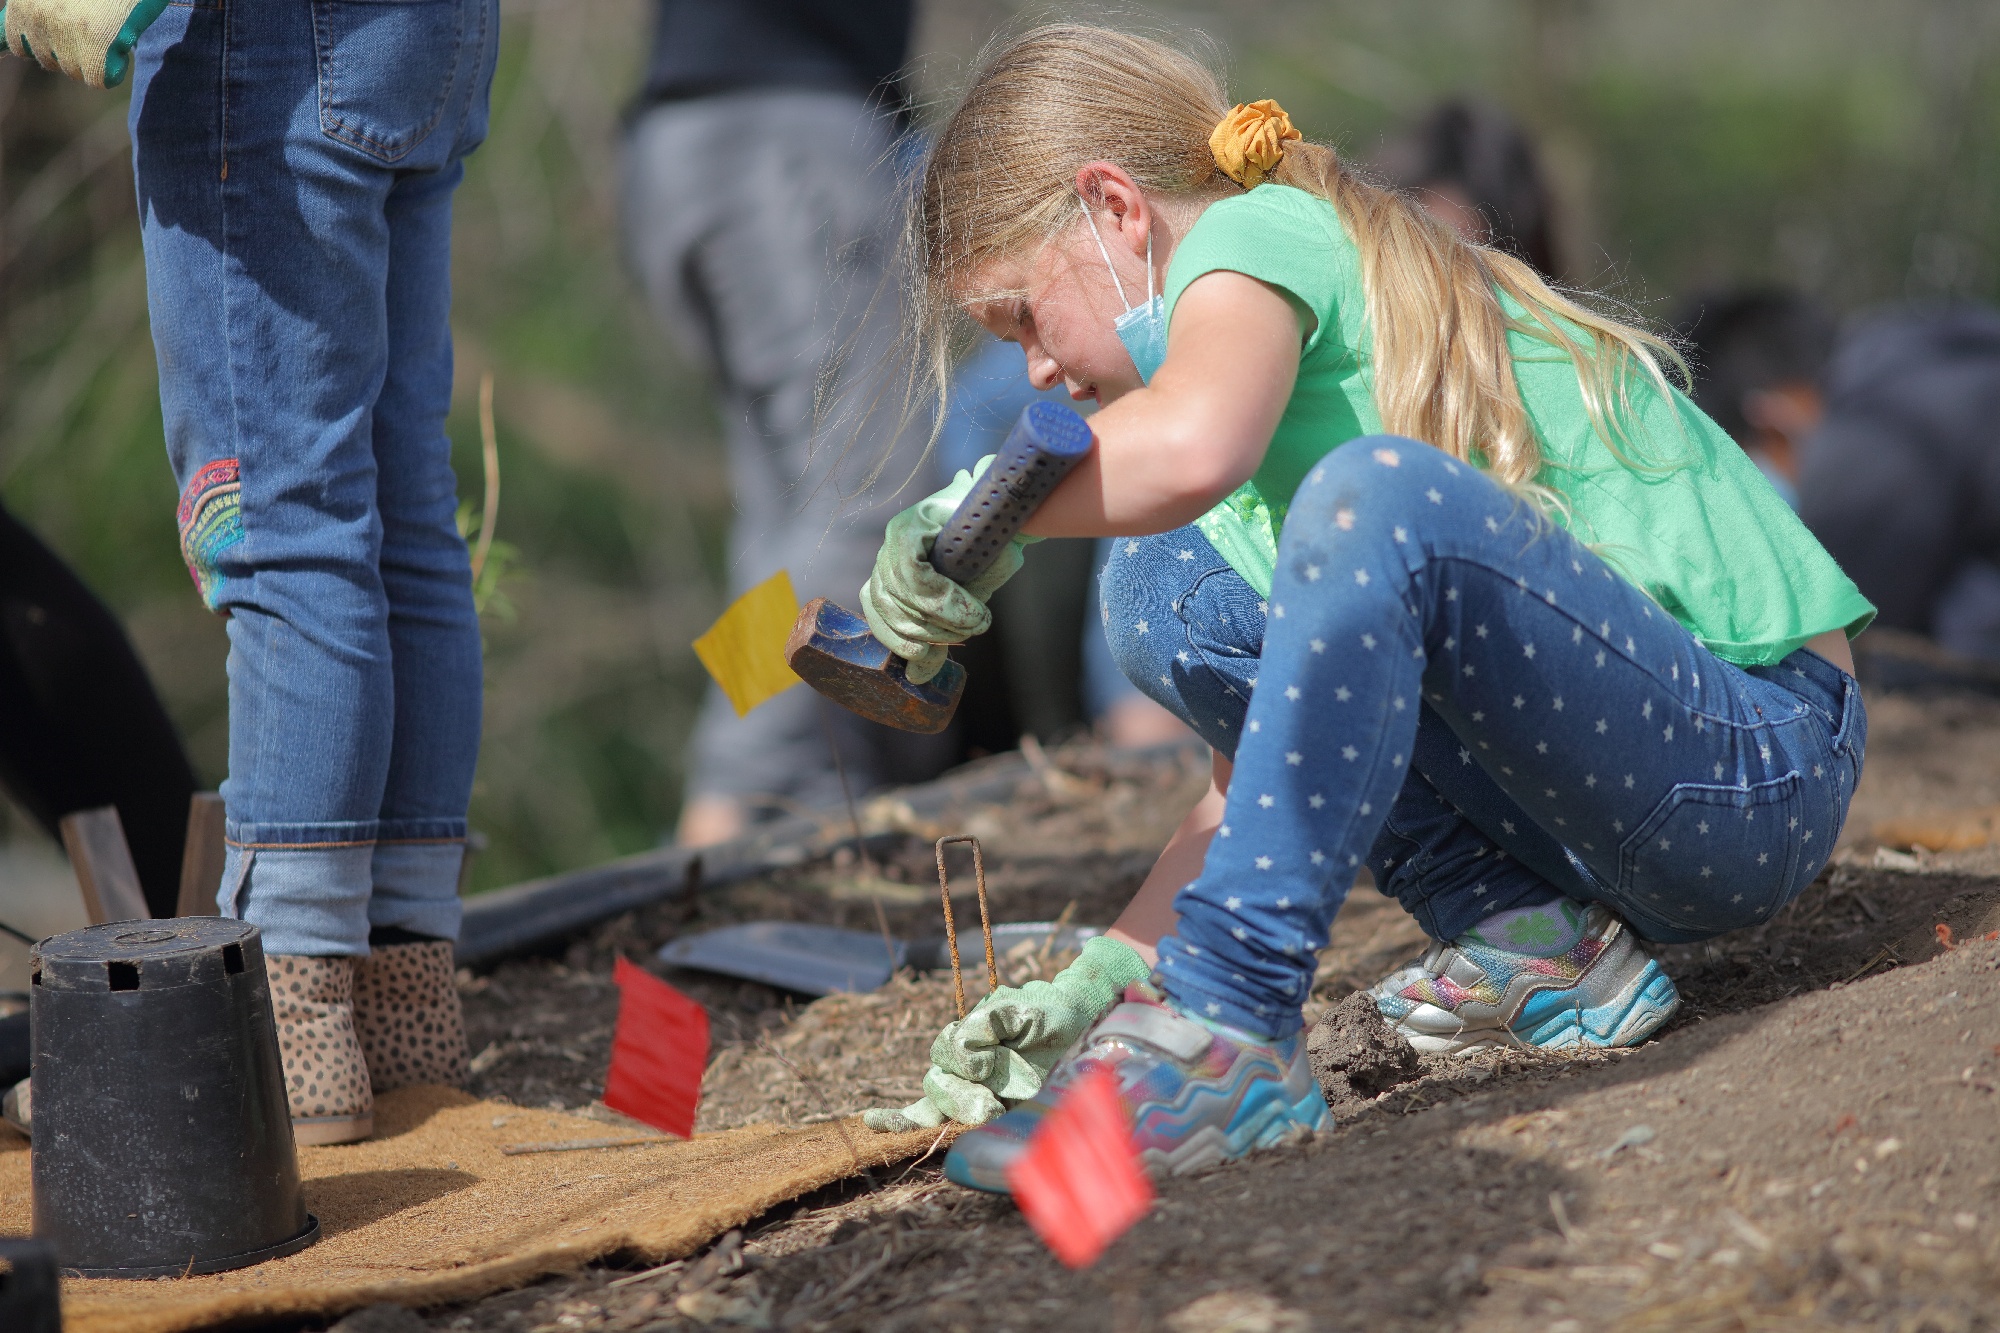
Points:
[831,648]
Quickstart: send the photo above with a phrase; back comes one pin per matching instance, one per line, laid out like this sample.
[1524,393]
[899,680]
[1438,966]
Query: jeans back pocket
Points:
[1712,858]
[387,69]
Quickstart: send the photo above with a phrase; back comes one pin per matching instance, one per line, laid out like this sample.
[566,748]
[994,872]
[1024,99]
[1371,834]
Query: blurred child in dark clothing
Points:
[1883,440]
[1901,481]
[1759,354]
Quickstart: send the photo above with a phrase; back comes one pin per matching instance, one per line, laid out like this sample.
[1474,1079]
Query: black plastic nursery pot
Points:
[163,1143]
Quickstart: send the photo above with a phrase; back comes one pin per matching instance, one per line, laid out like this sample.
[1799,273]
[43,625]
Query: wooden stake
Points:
[201,859]
[95,841]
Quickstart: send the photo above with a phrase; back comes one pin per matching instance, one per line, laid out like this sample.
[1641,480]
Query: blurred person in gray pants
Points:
[760,210]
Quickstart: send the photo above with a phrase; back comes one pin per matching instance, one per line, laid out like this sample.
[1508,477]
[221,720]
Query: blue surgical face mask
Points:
[1142,328]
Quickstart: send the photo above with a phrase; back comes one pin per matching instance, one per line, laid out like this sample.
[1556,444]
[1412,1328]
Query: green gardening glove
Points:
[917,612]
[89,40]
[1002,1051]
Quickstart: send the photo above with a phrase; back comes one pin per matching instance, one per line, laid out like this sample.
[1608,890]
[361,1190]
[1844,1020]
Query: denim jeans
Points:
[1451,688]
[295,162]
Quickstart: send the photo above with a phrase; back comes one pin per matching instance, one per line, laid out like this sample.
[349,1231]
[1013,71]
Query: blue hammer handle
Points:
[1044,445]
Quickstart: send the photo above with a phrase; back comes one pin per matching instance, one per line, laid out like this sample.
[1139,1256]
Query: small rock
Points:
[741,1304]
[1751,1235]
[1238,1312]
[381,1319]
[1636,1137]
[1357,1056]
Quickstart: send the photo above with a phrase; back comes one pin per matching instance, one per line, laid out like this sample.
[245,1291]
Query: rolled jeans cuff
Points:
[305,900]
[322,900]
[416,886]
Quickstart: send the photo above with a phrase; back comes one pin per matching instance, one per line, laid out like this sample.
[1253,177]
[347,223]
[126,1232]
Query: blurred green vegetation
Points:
[1847,147]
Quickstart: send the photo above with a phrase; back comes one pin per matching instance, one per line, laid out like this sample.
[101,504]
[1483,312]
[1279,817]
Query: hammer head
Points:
[832,651]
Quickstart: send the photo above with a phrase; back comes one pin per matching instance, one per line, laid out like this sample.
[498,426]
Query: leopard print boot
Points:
[406,1010]
[325,1075]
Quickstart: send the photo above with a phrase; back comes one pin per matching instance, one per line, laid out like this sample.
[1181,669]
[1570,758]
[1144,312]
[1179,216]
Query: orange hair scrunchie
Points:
[1251,140]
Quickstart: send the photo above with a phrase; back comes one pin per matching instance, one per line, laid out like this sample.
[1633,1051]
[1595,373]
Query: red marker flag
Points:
[657,1054]
[1080,1184]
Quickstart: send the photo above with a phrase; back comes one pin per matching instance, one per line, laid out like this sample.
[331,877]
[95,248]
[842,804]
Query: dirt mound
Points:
[1828,1161]
[1356,1057]
[1812,1143]
[1851,923]
[1797,1146]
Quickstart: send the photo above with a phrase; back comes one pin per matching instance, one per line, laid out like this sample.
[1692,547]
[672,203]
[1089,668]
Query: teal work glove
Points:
[1001,1051]
[89,40]
[917,612]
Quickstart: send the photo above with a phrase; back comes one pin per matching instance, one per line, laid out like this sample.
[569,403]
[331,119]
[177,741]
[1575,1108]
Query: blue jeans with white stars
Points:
[1452,689]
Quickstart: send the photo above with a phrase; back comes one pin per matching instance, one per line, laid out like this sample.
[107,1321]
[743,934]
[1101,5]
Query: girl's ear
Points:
[1116,198]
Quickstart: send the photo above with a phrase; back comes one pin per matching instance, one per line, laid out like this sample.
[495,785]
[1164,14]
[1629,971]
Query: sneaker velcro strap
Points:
[1462,971]
[1156,1027]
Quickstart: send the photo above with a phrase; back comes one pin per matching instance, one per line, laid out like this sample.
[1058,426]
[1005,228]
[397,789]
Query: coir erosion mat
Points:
[431,1210]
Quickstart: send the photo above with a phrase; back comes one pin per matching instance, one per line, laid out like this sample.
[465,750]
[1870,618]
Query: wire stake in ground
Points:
[951,928]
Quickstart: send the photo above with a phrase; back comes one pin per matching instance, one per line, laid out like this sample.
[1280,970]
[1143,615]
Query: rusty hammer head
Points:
[832,651]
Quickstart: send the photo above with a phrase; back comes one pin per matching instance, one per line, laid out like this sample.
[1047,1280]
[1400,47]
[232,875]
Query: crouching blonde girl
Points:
[1455,583]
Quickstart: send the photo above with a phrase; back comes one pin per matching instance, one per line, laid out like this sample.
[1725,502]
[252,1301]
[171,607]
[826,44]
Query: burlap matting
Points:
[431,1210]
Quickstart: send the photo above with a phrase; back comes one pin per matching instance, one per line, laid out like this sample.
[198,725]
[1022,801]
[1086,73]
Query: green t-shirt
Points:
[1696,526]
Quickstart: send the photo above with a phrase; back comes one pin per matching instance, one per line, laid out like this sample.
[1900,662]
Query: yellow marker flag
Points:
[745,648]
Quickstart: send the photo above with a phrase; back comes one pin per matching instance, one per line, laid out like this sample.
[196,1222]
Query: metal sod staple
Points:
[951,929]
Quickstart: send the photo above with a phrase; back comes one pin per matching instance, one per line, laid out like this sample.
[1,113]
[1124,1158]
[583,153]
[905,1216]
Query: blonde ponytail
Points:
[1001,178]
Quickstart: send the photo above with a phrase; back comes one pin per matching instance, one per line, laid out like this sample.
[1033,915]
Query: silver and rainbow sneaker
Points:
[1198,1093]
[1601,991]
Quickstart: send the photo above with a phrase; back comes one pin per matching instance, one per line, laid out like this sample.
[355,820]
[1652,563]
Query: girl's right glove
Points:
[1001,1051]
[916,612]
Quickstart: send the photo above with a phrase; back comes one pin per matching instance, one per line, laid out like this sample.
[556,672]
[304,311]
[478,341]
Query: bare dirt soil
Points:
[1814,1143]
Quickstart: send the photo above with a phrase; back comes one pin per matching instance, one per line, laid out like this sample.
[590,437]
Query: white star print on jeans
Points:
[1448,801]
